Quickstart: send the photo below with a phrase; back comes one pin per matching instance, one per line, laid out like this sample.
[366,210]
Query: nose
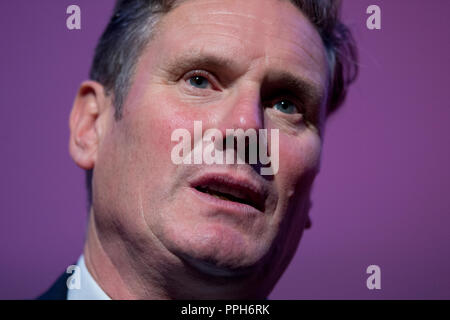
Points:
[239,122]
[244,112]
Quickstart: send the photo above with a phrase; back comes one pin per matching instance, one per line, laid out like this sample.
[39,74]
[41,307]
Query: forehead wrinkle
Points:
[301,40]
[299,24]
[320,63]
[308,46]
[232,12]
[294,24]
[296,47]
[228,13]
[297,44]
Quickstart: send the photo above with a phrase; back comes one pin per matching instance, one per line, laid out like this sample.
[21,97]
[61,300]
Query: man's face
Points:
[230,64]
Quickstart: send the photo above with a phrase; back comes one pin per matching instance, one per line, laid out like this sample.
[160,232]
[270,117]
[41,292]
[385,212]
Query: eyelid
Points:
[288,97]
[203,73]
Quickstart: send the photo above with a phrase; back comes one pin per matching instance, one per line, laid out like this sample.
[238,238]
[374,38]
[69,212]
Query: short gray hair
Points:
[133,21]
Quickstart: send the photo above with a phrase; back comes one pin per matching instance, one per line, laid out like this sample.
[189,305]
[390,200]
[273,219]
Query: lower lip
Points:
[225,205]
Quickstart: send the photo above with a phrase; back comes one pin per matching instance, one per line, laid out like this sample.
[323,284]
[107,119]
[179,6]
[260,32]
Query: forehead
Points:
[254,34]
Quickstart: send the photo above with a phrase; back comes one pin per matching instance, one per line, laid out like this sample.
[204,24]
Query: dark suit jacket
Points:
[58,291]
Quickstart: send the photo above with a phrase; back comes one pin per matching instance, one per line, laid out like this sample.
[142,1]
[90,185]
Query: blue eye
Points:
[286,106]
[199,82]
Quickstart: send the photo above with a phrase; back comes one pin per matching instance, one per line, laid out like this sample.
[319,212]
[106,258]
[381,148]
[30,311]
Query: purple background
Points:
[382,196]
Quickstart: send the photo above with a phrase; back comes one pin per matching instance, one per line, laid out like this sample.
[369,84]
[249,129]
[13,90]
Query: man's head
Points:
[221,230]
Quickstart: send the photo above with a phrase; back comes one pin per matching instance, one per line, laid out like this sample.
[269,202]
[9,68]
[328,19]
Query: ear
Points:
[85,130]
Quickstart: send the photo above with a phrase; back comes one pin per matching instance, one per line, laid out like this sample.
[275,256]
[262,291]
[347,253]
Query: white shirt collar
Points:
[89,289]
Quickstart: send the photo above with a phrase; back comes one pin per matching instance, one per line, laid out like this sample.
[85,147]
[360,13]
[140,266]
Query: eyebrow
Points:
[311,93]
[198,61]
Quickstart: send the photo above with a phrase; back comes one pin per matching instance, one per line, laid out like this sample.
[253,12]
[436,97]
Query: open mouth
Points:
[227,189]
[224,196]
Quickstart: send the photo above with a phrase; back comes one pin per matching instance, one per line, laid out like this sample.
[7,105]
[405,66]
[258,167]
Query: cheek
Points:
[299,158]
[164,113]
[153,123]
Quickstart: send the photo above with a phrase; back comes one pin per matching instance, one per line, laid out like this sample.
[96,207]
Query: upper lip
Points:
[236,187]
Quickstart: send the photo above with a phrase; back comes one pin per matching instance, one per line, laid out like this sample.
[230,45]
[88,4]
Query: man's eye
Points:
[286,106]
[199,82]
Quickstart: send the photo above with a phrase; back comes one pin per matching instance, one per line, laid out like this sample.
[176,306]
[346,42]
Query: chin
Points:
[218,249]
